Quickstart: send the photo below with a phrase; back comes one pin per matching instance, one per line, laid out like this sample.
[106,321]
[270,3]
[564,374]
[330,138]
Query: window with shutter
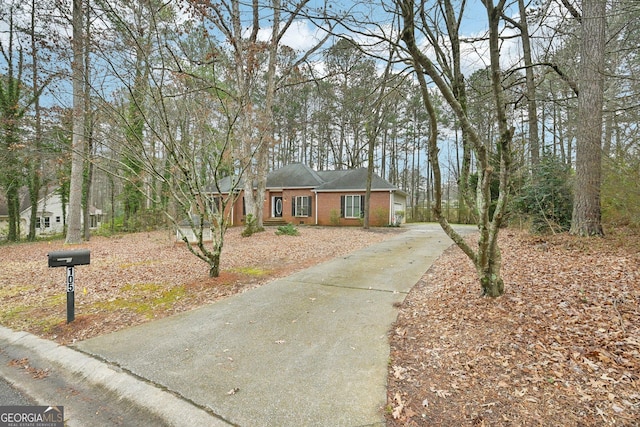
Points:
[302,206]
[352,206]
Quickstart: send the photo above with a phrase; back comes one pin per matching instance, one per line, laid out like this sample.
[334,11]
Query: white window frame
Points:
[301,206]
[351,203]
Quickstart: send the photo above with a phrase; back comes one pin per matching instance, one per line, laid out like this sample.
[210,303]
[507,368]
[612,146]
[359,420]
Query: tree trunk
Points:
[88,164]
[87,190]
[486,259]
[458,87]
[13,205]
[34,184]
[488,265]
[214,268]
[586,218]
[213,257]
[532,109]
[492,284]
[74,230]
[35,163]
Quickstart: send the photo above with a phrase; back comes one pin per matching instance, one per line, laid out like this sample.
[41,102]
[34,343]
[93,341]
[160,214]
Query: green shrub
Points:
[334,217]
[287,230]
[546,197]
[251,226]
[621,192]
[381,216]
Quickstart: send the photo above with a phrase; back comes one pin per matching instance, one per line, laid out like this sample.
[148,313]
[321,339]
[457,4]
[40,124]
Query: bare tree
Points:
[487,257]
[184,124]
[527,57]
[14,104]
[255,67]
[373,127]
[34,163]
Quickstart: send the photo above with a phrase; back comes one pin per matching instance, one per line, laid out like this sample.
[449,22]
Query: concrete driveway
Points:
[310,349]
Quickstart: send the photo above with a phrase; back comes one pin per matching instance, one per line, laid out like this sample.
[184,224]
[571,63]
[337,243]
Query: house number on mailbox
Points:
[71,287]
[70,259]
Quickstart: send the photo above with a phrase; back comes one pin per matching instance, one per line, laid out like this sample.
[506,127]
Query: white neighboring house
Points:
[184,230]
[50,220]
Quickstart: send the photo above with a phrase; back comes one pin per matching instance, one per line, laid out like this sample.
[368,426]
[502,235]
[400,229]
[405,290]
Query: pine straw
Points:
[138,277]
[561,347]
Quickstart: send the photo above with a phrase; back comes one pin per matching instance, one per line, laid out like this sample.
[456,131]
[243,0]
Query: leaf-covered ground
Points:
[561,347]
[135,278]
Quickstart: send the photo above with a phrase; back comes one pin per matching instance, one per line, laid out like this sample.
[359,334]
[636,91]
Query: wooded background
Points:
[155,102]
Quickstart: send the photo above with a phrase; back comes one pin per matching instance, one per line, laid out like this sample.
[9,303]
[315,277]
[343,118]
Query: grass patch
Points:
[138,263]
[47,324]
[10,291]
[142,288]
[56,300]
[252,271]
[10,314]
[143,298]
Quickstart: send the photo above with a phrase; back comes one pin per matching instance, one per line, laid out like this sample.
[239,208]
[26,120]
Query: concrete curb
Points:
[174,410]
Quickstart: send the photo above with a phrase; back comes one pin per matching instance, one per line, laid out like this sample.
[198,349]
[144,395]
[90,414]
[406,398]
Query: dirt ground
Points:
[560,348]
[134,278]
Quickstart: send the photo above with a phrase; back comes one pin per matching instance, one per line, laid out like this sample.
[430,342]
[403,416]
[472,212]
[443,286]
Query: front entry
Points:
[277,207]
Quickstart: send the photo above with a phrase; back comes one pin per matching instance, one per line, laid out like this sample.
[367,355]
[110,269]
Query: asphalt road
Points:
[84,404]
[9,396]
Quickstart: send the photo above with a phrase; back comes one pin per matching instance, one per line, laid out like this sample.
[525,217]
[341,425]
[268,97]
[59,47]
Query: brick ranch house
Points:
[297,194]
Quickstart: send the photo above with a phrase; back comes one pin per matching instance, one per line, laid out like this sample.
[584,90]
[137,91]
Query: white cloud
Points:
[300,36]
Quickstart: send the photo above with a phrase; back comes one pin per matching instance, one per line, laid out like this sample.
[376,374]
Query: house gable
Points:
[295,175]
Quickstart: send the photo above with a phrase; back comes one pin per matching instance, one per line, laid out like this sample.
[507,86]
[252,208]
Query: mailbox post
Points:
[69,259]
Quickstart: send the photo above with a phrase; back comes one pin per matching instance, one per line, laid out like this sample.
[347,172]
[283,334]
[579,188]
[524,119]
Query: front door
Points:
[277,207]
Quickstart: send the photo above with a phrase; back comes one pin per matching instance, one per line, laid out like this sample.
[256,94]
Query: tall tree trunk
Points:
[13,205]
[372,130]
[35,162]
[74,229]
[88,152]
[459,90]
[87,187]
[532,109]
[10,115]
[586,218]
[267,130]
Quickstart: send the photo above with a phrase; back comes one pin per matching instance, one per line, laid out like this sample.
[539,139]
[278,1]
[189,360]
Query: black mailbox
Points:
[68,258]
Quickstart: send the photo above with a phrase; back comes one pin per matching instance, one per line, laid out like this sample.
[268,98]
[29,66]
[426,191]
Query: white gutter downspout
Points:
[391,207]
[316,206]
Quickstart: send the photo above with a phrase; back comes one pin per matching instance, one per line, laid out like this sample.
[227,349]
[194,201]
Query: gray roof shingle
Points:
[297,175]
[355,179]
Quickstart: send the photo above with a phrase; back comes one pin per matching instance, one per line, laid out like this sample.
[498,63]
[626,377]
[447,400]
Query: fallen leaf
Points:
[398,372]
[397,410]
